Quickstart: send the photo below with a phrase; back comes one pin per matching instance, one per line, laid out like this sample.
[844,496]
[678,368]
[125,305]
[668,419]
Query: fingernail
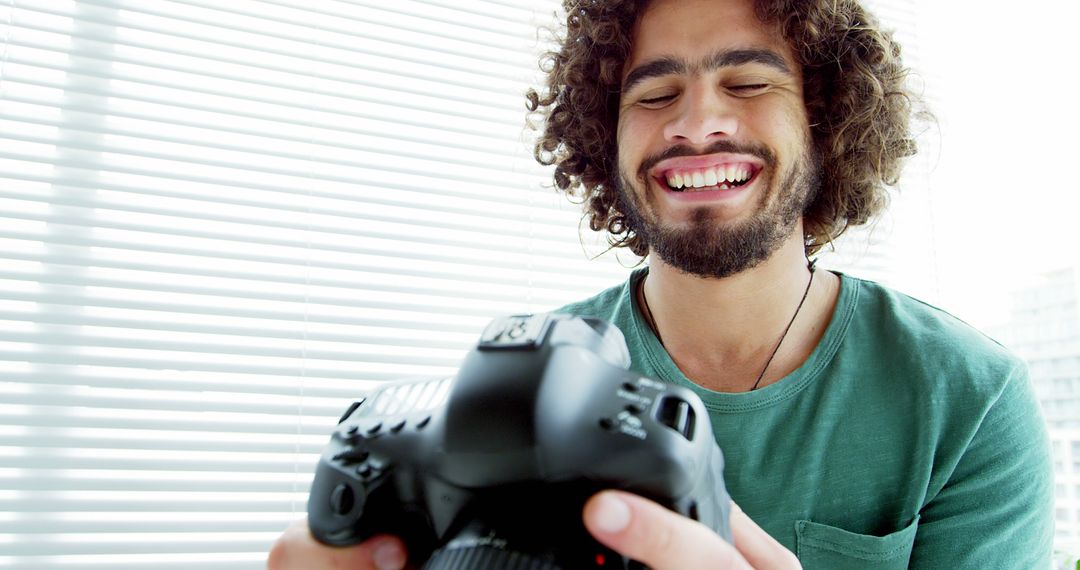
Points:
[612,514]
[388,556]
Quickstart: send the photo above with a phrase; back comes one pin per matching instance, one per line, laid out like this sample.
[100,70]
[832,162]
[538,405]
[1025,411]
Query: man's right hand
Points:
[296,549]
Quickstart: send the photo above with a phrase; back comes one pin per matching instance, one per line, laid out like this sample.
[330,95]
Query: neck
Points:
[722,332]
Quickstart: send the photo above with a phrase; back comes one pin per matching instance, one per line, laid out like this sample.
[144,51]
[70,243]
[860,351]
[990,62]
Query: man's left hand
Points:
[664,540]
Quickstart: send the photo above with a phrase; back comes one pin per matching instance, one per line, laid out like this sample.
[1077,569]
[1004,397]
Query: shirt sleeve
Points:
[996,509]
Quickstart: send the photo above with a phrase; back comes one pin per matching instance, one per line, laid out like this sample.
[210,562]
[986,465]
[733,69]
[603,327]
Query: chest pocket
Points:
[823,546]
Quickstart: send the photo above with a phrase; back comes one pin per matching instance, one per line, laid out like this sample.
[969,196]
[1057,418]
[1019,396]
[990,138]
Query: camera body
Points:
[491,468]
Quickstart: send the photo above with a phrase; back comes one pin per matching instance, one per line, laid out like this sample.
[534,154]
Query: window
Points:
[219,223]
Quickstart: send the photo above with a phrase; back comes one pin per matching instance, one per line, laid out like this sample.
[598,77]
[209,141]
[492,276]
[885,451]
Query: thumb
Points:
[649,533]
[296,549]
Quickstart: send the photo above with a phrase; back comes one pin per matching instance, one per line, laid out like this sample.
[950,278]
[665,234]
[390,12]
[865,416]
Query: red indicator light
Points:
[600,560]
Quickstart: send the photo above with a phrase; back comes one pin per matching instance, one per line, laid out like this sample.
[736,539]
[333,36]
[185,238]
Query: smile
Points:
[720,177]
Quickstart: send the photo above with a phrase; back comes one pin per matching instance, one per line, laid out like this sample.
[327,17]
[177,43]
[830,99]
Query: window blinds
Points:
[219,223]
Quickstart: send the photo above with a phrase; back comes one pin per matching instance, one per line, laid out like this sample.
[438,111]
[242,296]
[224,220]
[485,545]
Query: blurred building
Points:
[1044,329]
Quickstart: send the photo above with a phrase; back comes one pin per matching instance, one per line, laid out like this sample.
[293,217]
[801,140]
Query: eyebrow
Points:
[723,58]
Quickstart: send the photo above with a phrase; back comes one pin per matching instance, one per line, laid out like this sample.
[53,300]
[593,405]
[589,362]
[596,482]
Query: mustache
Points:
[761,151]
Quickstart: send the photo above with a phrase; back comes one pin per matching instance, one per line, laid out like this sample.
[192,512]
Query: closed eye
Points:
[656,101]
[749,89]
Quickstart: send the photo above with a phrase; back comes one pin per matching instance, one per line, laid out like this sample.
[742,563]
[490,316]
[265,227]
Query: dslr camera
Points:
[491,468]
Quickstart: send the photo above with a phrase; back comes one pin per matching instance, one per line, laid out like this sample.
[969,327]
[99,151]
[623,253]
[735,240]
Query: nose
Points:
[704,115]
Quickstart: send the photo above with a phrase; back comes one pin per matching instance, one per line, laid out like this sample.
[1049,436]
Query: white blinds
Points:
[219,222]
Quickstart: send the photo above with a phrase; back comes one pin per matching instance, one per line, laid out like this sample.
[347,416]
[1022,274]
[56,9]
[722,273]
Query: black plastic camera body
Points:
[491,468]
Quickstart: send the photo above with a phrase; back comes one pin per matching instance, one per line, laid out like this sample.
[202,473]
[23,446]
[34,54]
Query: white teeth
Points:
[723,176]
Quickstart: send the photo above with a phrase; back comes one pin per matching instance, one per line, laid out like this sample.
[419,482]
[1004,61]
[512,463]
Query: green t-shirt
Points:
[907,437]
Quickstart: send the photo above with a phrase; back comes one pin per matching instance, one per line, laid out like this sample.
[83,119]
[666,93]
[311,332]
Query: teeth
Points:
[723,176]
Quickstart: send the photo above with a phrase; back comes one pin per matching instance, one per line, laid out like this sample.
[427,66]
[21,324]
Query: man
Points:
[729,141]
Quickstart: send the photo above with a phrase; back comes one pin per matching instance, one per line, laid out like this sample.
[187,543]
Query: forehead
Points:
[691,30]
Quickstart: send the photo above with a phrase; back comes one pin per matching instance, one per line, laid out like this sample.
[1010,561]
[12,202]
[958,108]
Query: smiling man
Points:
[728,141]
[715,169]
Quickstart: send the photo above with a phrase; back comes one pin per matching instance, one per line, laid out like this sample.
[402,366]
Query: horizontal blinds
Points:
[219,223]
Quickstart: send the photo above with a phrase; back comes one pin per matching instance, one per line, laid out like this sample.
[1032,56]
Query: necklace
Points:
[656,330]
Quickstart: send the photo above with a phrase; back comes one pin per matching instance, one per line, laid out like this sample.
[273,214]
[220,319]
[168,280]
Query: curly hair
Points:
[855,92]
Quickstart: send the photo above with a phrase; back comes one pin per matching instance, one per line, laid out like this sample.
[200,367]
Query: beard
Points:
[704,248]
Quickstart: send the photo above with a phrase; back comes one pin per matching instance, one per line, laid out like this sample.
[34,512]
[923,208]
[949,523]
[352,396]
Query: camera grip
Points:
[357,492]
[336,505]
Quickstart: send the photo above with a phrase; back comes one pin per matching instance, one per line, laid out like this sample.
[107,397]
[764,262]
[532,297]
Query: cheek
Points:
[785,128]
[777,122]
[638,134]
[625,143]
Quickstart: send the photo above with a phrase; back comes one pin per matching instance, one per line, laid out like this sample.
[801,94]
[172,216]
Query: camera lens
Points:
[474,557]
[478,545]
[527,539]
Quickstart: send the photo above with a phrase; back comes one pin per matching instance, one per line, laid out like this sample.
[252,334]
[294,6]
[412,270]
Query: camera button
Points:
[677,414]
[352,456]
[342,499]
[377,464]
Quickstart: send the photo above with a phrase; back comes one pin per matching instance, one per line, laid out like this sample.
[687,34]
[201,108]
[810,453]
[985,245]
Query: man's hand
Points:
[626,523]
[296,549]
[663,540]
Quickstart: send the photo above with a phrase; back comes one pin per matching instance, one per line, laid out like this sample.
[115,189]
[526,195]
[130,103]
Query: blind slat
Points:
[132,85]
[151,460]
[312,333]
[328,314]
[71,523]
[58,94]
[169,441]
[420,173]
[449,266]
[314,430]
[301,153]
[309,386]
[144,543]
[45,112]
[309,41]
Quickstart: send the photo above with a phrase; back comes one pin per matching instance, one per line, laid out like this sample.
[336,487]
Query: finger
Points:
[649,533]
[297,549]
[758,547]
